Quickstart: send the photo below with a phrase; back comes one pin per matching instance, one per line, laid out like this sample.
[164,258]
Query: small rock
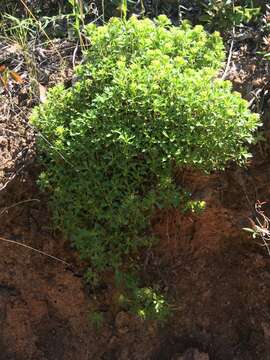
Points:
[121,322]
[113,341]
[192,354]
[125,354]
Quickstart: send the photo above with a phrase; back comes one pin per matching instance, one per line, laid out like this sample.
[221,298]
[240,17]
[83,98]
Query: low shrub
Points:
[147,100]
[224,14]
[146,302]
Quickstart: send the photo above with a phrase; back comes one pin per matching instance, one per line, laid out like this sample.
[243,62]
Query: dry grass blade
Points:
[16,77]
[35,250]
[16,204]
[41,29]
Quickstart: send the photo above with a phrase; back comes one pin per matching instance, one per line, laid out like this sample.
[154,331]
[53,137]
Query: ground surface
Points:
[216,277]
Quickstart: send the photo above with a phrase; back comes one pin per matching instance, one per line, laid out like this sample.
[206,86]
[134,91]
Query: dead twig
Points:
[260,227]
[16,204]
[35,250]
[12,177]
[229,57]
[74,55]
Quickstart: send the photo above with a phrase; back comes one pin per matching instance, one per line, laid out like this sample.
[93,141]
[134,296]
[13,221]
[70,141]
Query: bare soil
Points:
[216,277]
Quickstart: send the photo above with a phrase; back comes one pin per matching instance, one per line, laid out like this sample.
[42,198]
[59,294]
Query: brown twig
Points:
[261,227]
[16,204]
[12,177]
[35,250]
[229,57]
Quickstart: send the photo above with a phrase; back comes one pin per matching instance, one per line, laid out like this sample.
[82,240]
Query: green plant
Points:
[266,48]
[21,33]
[147,100]
[96,319]
[145,302]
[8,6]
[150,305]
[78,16]
[194,206]
[116,7]
[223,14]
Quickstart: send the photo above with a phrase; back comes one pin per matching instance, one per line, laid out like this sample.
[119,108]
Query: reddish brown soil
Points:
[216,278]
[38,296]
[218,275]
[44,305]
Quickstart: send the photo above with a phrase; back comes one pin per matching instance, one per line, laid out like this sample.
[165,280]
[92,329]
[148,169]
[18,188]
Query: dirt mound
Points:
[219,276]
[217,282]
[44,305]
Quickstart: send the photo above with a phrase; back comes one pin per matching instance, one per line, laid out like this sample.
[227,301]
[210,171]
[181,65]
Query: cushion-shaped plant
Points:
[147,100]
